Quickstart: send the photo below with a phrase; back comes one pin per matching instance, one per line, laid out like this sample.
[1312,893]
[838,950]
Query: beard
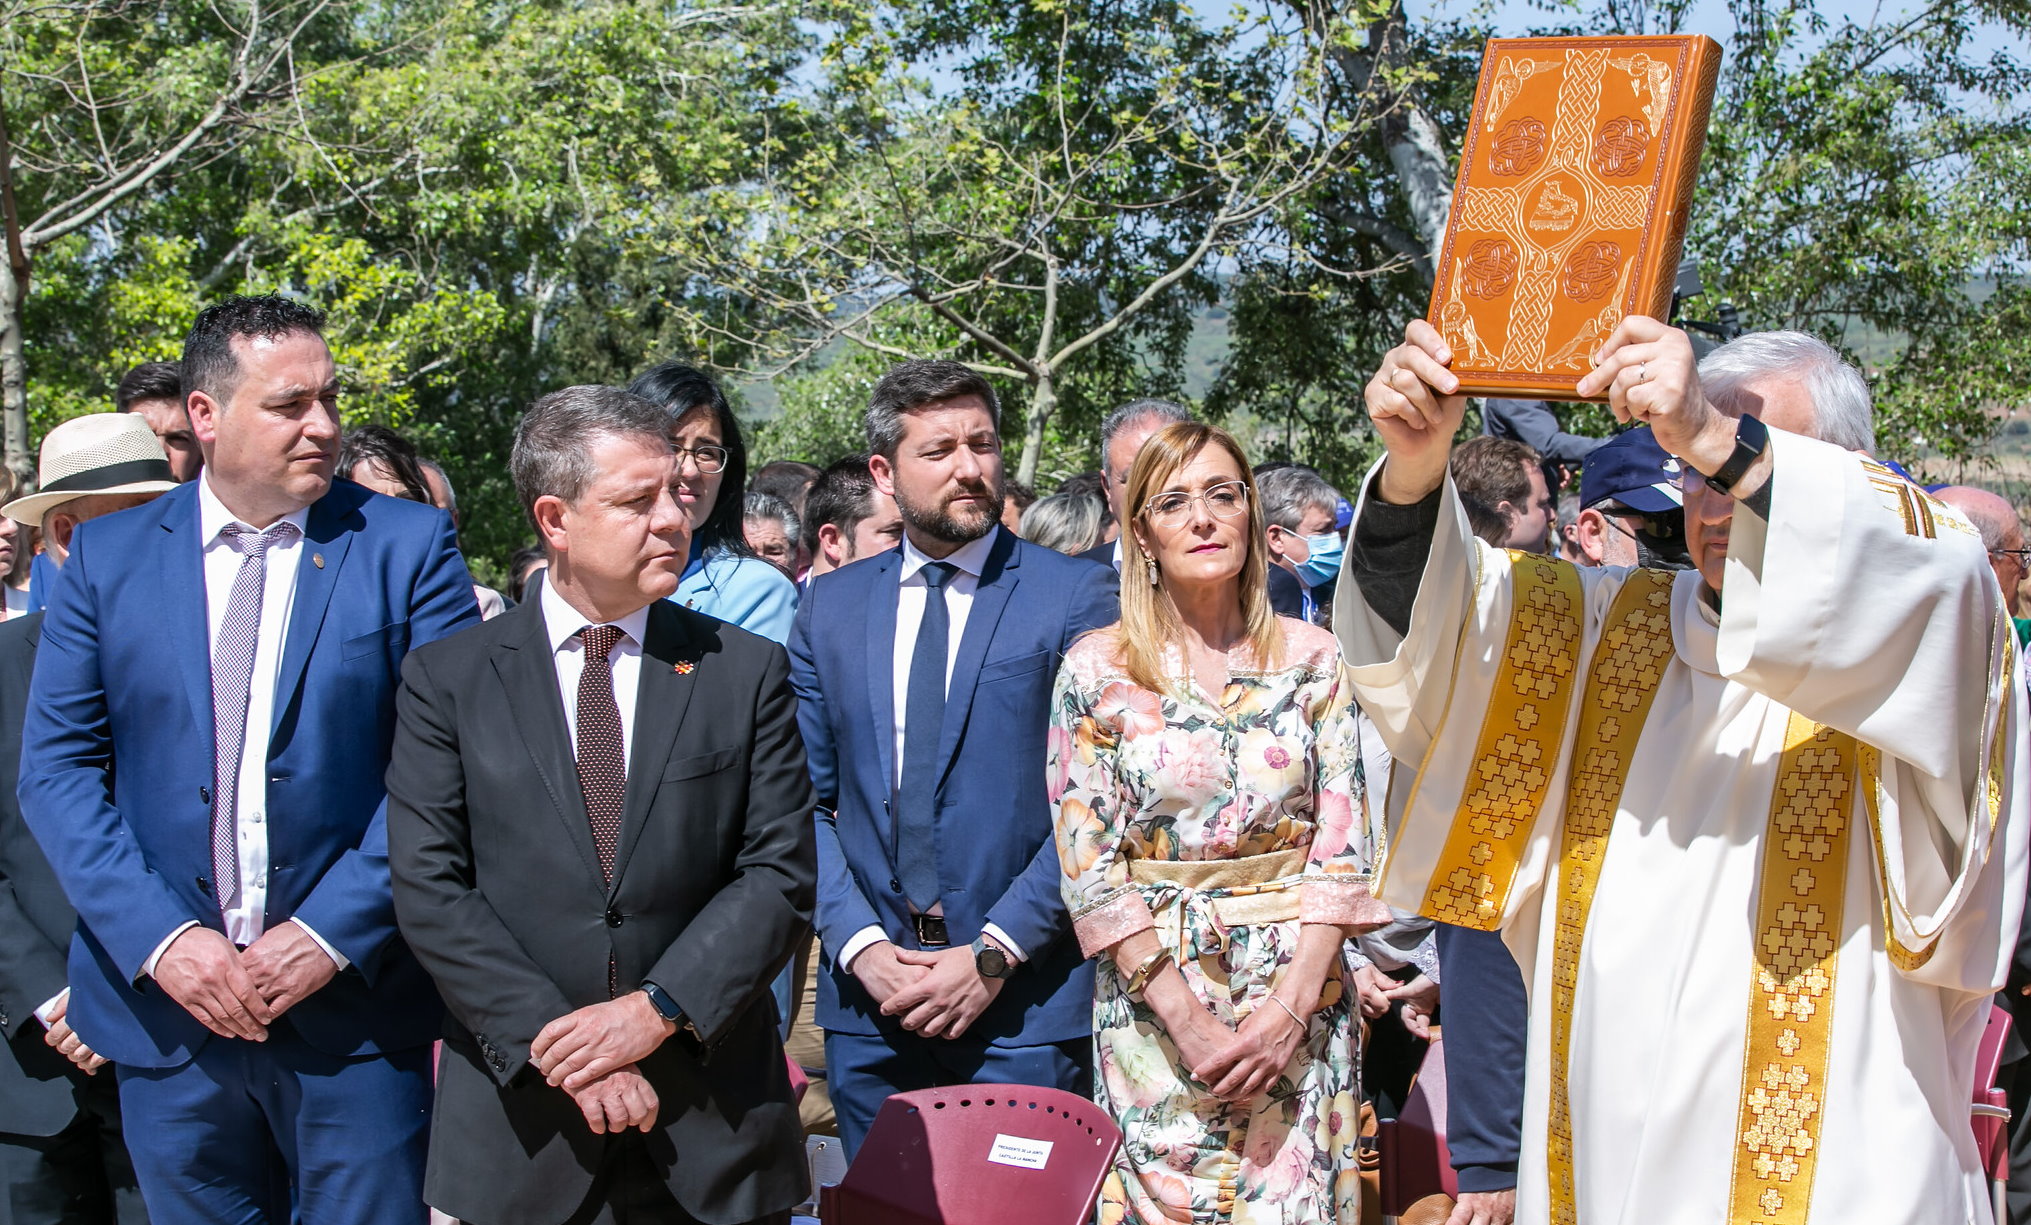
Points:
[940,522]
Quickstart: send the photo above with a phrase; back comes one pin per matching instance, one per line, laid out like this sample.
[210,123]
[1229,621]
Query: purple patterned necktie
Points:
[232,681]
[602,770]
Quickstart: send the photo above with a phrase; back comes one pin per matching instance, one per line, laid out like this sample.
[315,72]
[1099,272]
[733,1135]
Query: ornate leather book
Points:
[1570,207]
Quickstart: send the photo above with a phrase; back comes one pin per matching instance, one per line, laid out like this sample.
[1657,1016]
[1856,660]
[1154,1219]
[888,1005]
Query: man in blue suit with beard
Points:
[924,677]
[208,725]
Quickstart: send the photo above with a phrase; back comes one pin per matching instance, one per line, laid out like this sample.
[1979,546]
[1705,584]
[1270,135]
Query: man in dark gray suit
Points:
[62,1158]
[600,836]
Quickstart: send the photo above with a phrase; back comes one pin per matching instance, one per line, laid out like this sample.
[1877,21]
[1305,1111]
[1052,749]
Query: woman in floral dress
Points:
[1217,856]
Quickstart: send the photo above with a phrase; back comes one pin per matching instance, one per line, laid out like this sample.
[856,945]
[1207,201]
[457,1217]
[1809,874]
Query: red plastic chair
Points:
[1991,1108]
[977,1155]
[1415,1161]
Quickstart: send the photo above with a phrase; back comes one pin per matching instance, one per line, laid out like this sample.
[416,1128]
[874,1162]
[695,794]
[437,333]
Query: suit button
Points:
[204,795]
[614,918]
[895,886]
[204,886]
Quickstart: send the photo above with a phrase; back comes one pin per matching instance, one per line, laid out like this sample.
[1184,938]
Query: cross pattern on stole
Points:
[1800,898]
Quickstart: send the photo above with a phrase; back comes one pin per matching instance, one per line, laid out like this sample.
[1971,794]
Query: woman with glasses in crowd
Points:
[1217,856]
[724,578]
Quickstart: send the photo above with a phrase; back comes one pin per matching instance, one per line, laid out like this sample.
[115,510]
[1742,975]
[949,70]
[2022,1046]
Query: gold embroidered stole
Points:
[1799,896]
[1634,649]
[1517,751]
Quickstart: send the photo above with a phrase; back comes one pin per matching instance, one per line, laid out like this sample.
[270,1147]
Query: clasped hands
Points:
[1239,1064]
[592,1054]
[938,993]
[238,993]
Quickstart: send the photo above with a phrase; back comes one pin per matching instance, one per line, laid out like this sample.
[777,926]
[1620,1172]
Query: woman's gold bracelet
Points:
[1151,966]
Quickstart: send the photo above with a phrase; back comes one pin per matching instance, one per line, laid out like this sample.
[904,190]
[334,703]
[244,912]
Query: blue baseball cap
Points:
[1632,469]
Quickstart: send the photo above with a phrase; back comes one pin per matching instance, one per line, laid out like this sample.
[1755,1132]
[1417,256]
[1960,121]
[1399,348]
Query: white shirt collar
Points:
[213,517]
[970,557]
[561,621]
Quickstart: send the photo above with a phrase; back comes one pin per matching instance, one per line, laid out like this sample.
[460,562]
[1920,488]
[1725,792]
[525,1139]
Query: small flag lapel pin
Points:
[682,667]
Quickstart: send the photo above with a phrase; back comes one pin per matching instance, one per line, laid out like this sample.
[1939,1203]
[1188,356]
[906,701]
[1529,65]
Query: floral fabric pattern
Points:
[1273,765]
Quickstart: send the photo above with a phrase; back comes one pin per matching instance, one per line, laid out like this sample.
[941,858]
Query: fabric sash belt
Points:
[1225,893]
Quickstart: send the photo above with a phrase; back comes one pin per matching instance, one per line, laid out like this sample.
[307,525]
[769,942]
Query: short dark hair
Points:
[843,495]
[1489,471]
[1022,495]
[208,361]
[149,381]
[554,439]
[377,444]
[679,389]
[786,480]
[914,384]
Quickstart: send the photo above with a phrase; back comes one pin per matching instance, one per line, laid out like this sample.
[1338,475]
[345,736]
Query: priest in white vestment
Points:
[1753,831]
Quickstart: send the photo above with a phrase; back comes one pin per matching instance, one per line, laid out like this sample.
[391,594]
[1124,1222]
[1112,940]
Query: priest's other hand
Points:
[286,966]
[621,1099]
[1414,404]
[1250,1061]
[1484,1208]
[598,1040]
[201,971]
[1650,376]
[949,997]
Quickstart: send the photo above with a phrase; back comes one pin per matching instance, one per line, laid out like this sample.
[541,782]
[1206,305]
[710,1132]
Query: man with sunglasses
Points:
[1632,512]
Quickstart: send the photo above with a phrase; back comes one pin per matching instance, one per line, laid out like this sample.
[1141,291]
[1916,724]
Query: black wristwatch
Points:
[665,1007]
[1751,436]
[991,961]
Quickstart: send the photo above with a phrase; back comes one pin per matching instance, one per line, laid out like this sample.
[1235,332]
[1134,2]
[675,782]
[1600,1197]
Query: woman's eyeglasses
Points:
[1223,501]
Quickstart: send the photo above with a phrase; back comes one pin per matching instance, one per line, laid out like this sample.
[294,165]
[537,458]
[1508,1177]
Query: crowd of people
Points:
[334,884]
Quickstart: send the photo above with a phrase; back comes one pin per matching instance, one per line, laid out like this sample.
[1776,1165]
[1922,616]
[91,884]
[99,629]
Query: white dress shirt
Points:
[970,559]
[567,653]
[246,921]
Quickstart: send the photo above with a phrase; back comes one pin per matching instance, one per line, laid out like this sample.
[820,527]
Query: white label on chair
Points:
[1016,1151]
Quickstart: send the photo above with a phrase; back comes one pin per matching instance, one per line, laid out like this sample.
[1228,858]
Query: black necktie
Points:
[923,721]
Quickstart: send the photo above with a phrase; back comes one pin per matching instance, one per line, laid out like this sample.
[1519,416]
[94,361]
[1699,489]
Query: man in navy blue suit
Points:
[924,677]
[208,725]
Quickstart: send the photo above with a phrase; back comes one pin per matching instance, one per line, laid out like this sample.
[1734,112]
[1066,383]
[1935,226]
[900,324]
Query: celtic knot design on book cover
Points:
[1571,203]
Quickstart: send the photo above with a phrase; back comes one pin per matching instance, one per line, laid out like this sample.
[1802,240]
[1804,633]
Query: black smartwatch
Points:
[1751,436]
[665,1007]
[990,961]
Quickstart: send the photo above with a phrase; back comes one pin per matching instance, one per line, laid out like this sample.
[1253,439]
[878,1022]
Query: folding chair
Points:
[1991,1108]
[977,1155]
[1416,1165]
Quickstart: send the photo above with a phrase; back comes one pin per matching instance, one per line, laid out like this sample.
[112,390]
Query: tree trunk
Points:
[1417,153]
[14,270]
[1043,403]
[14,378]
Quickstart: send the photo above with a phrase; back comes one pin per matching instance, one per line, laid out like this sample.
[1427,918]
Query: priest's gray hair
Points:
[1842,413]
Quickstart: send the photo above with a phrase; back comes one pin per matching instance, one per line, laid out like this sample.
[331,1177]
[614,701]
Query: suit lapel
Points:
[529,675]
[880,660]
[662,695]
[326,535]
[184,606]
[997,583]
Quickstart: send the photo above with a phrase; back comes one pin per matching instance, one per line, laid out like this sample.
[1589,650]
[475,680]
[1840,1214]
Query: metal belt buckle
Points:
[930,931]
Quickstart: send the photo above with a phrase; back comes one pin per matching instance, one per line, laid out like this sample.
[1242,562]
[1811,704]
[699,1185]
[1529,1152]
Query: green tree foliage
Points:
[1050,187]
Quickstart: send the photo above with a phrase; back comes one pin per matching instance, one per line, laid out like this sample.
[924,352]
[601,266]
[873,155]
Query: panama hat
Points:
[97,453]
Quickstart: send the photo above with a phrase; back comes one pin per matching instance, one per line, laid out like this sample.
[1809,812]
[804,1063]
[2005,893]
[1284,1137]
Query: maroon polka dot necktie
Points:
[602,767]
